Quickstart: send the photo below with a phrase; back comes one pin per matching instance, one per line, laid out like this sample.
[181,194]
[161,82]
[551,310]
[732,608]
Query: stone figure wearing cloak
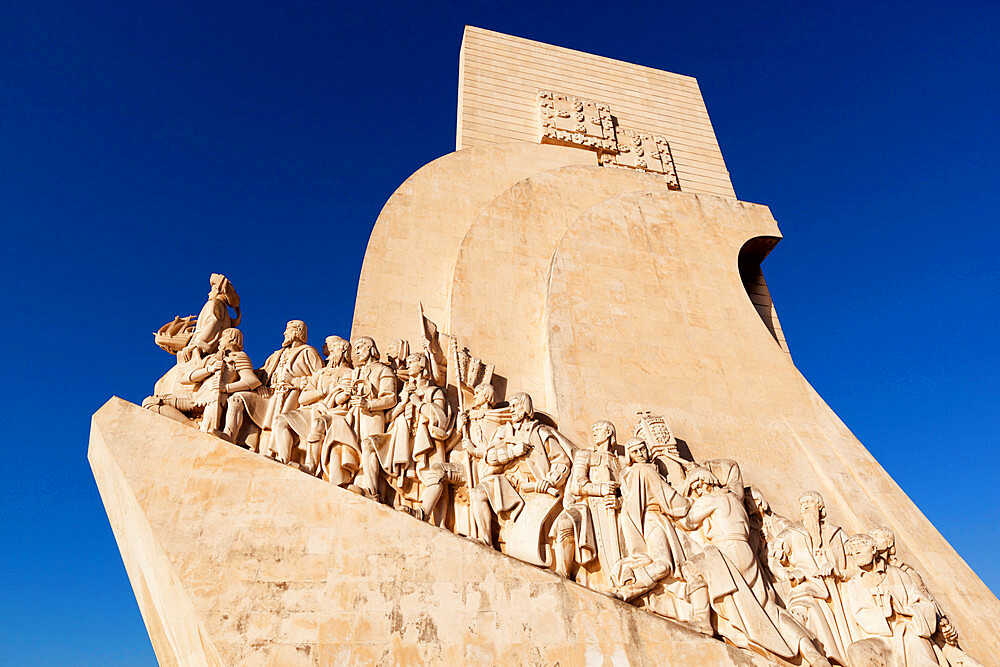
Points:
[586,532]
[419,423]
[321,416]
[745,606]
[945,640]
[373,393]
[524,457]
[212,380]
[213,319]
[654,551]
[473,430]
[812,558]
[279,394]
[888,609]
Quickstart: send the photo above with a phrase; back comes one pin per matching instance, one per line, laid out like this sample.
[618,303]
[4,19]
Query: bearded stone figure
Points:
[812,561]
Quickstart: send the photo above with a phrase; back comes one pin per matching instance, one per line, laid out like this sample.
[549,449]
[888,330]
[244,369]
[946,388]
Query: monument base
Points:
[238,560]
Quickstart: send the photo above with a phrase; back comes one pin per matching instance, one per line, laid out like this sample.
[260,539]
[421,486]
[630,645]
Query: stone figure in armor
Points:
[373,392]
[811,560]
[280,393]
[213,319]
[419,425]
[321,416]
[523,457]
[746,608]
[213,379]
[586,531]
[893,619]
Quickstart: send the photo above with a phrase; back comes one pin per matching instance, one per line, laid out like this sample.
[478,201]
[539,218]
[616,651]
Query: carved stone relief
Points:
[426,433]
[568,120]
[575,121]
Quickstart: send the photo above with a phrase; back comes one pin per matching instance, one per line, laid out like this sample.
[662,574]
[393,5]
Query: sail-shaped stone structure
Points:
[585,240]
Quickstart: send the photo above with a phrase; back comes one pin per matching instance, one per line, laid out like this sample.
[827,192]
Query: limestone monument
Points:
[585,441]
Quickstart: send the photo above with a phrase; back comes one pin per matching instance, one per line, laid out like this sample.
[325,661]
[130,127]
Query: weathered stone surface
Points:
[238,560]
[637,302]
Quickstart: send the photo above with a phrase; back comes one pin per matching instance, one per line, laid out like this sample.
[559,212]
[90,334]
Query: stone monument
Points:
[566,429]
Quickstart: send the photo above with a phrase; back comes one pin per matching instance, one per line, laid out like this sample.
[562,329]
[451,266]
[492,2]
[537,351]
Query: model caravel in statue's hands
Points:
[684,540]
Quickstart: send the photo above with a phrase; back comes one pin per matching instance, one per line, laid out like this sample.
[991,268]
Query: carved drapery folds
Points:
[568,120]
[427,433]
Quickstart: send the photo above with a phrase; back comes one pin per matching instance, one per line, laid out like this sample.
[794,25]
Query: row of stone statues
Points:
[424,432]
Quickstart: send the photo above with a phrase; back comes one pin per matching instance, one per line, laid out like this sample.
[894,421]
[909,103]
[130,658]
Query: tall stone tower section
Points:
[567,428]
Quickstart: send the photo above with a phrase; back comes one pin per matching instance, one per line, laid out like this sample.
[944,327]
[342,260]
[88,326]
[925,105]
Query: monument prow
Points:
[237,560]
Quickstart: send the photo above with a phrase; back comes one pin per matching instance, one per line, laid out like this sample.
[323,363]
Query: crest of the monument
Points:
[575,121]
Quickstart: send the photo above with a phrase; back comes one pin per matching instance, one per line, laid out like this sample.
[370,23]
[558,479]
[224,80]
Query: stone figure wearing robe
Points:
[812,558]
[473,429]
[654,551]
[213,319]
[419,423]
[524,456]
[321,415]
[745,606]
[588,520]
[765,526]
[373,393]
[279,394]
[945,640]
[890,613]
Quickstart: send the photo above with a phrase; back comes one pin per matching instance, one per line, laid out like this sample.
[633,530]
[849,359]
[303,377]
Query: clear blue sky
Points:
[145,145]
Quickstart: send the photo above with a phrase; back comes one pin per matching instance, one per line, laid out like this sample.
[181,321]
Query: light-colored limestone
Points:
[625,298]
[416,237]
[238,560]
[610,298]
[500,77]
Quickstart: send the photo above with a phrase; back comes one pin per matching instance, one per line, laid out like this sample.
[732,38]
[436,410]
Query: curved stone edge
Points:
[789,435]
[415,239]
[306,573]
